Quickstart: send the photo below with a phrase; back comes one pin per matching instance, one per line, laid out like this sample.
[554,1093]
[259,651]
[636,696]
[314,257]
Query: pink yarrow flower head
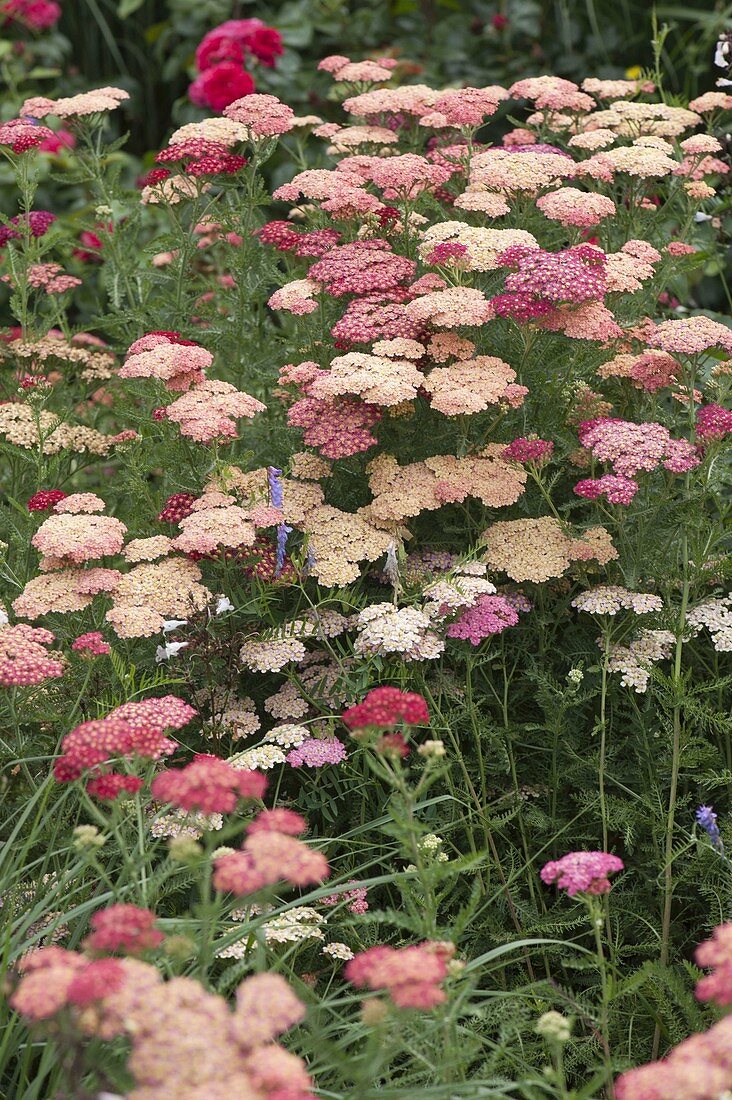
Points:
[574,275]
[279,820]
[386,707]
[21,135]
[355,898]
[36,223]
[713,422]
[209,785]
[582,872]
[74,539]
[412,976]
[634,447]
[179,363]
[110,785]
[315,752]
[552,93]
[691,335]
[132,730]
[488,615]
[375,317]
[263,115]
[49,278]
[100,978]
[465,106]
[24,656]
[716,954]
[698,1067]
[617,490]
[36,15]
[123,929]
[91,644]
[362,267]
[201,157]
[336,427]
[93,102]
[268,857]
[53,979]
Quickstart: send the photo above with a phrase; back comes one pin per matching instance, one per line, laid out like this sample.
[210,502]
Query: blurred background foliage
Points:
[149,44]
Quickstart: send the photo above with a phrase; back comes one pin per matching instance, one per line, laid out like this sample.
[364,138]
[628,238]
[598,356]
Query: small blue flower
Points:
[276,499]
[707,819]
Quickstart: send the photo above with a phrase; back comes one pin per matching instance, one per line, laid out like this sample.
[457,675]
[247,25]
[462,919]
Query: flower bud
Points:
[554,1027]
[88,837]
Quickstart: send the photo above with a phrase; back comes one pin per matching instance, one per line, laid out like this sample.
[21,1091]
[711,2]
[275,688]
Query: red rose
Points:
[233,40]
[36,15]
[220,85]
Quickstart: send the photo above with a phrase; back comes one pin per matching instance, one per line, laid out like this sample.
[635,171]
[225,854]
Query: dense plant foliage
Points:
[362,649]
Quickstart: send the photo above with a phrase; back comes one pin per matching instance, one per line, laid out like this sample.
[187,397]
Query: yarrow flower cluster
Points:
[25,659]
[270,854]
[716,616]
[316,752]
[489,615]
[123,929]
[208,784]
[635,660]
[132,730]
[632,448]
[609,599]
[411,976]
[220,1052]
[582,872]
[616,490]
[385,707]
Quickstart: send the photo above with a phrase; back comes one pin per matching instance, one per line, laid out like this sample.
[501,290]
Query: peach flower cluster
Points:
[539,549]
[209,411]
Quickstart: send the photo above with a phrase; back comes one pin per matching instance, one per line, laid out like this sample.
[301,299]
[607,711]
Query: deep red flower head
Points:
[56,141]
[107,787]
[177,507]
[155,175]
[384,707]
[220,85]
[44,500]
[38,222]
